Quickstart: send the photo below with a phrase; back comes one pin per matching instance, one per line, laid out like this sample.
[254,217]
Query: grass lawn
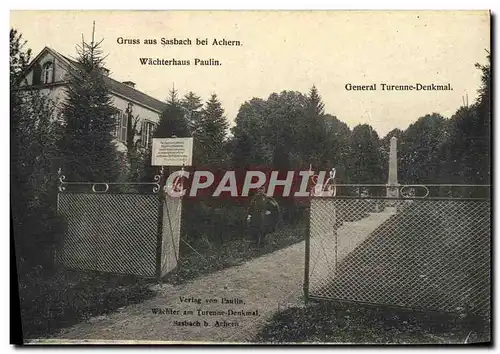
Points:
[57,299]
[333,322]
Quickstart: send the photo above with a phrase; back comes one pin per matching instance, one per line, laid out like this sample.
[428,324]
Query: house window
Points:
[147,133]
[123,131]
[48,73]
[37,74]
[121,126]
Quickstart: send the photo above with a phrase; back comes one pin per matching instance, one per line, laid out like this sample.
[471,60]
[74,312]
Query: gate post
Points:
[159,236]
[307,255]
[60,188]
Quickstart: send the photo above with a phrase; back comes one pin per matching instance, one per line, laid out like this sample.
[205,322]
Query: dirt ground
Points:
[220,321]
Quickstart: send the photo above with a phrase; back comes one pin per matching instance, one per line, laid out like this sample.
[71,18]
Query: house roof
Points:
[135,95]
[117,87]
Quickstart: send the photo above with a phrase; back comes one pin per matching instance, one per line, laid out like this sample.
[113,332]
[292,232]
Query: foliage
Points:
[338,147]
[33,164]
[419,149]
[172,120]
[135,148]
[210,135]
[450,151]
[265,129]
[365,161]
[315,141]
[192,105]
[19,57]
[206,216]
[52,300]
[89,121]
[249,137]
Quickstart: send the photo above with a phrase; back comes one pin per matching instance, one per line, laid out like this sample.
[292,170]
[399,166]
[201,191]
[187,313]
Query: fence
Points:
[119,228]
[415,252]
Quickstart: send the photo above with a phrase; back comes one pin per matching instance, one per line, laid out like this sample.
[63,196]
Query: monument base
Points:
[393,191]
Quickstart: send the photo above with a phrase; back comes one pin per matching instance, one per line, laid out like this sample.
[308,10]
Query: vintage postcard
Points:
[249,177]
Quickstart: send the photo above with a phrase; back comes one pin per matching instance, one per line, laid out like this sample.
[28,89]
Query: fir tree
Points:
[315,140]
[210,134]
[172,120]
[89,119]
[173,99]
[192,105]
[315,104]
[134,150]
[19,57]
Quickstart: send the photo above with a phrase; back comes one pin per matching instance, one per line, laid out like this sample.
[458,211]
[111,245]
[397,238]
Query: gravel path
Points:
[257,288]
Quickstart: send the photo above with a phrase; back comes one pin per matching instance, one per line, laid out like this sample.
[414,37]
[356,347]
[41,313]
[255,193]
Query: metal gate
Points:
[420,253]
[123,228]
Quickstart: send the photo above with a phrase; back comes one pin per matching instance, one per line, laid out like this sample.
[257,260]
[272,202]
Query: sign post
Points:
[172,152]
[169,152]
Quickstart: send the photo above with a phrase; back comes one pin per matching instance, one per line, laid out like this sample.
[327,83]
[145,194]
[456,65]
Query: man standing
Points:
[258,212]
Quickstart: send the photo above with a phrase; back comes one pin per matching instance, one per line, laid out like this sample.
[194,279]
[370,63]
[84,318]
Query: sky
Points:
[288,50]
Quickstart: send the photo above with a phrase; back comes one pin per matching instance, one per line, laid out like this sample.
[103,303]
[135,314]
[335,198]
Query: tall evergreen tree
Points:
[89,121]
[315,103]
[173,121]
[210,134]
[315,141]
[134,148]
[173,97]
[192,105]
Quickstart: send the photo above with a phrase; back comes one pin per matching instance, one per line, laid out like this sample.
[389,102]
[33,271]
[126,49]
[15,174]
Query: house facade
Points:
[49,72]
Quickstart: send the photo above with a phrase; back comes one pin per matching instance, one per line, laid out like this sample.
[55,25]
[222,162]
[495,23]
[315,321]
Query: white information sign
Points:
[172,152]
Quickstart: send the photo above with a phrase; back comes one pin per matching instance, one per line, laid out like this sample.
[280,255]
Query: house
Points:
[48,72]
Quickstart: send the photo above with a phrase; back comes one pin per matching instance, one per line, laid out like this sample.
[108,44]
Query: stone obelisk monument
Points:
[392,182]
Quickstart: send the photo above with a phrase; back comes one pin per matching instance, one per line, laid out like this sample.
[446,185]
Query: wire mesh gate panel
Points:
[425,254]
[114,233]
[123,232]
